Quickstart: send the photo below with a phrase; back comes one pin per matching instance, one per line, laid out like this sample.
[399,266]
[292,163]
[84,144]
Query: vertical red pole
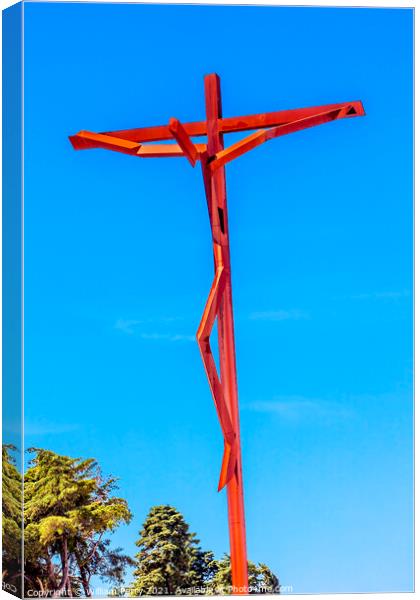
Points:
[217,181]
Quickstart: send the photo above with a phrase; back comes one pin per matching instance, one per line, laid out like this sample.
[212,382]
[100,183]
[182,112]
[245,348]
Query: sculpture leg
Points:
[215,187]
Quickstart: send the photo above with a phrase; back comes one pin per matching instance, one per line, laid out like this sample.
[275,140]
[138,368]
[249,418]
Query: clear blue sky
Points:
[118,265]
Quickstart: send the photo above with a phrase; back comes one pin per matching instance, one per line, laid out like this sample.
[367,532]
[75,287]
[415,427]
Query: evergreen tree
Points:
[68,511]
[12,517]
[170,560]
[261,580]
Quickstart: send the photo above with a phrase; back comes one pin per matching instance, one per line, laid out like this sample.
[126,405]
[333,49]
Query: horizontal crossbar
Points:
[259,137]
[226,125]
[87,139]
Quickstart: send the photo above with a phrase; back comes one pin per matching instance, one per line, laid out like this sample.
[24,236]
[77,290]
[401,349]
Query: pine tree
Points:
[170,560]
[12,517]
[261,580]
[68,510]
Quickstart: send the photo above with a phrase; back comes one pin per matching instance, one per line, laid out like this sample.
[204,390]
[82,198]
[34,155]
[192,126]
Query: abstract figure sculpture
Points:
[213,156]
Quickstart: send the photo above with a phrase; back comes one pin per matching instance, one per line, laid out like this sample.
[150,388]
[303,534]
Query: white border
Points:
[320,3]
[338,4]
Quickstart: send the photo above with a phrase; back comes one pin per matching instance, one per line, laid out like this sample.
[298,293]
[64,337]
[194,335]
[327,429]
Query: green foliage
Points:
[69,508]
[12,516]
[170,560]
[11,486]
[260,579]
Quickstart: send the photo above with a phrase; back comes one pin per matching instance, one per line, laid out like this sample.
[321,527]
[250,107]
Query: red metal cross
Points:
[213,156]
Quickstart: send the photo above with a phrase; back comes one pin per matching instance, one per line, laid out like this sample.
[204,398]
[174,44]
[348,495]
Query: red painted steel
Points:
[230,124]
[259,137]
[226,125]
[213,156]
[232,475]
[184,141]
[165,150]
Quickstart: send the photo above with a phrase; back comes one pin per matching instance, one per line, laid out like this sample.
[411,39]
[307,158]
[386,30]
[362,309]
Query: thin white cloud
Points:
[130,326]
[381,295]
[48,427]
[279,315]
[126,325]
[297,408]
[177,337]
